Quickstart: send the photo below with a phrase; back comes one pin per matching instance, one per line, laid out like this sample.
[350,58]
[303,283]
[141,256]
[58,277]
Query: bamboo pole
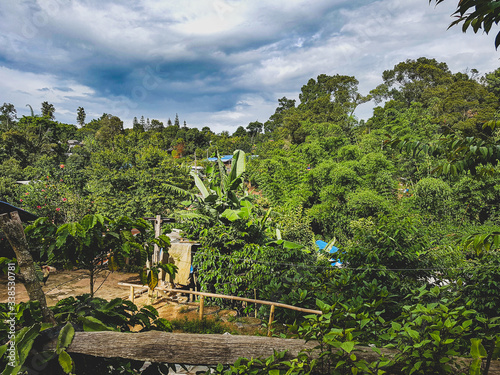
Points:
[202,307]
[213,295]
[271,318]
[255,297]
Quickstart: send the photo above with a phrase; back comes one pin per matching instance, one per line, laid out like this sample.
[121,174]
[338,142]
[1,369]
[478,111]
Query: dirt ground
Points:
[63,284]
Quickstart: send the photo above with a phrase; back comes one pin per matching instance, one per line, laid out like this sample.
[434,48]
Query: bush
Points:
[433,196]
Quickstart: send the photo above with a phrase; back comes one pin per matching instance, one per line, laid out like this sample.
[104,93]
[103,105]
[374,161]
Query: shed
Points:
[24,215]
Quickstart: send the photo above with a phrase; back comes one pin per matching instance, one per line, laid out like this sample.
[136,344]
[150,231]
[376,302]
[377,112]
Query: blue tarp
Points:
[223,158]
[322,245]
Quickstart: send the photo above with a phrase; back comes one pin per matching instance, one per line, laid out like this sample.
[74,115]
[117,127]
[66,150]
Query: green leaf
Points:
[91,324]
[231,215]
[348,346]
[152,278]
[66,362]
[24,341]
[65,337]
[477,349]
[144,276]
[200,185]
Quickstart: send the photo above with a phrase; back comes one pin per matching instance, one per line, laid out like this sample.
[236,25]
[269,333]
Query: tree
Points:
[89,242]
[492,82]
[48,110]
[80,116]
[240,132]
[176,121]
[254,128]
[111,126]
[156,125]
[8,115]
[137,126]
[13,229]
[478,14]
[408,80]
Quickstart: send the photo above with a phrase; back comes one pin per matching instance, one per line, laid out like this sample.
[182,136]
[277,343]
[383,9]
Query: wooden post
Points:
[13,229]
[132,296]
[255,297]
[202,306]
[271,318]
[156,253]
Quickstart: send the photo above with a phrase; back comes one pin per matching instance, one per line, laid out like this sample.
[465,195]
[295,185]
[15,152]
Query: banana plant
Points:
[219,198]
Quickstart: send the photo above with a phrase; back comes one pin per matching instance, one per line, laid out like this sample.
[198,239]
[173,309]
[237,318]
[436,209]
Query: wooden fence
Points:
[234,298]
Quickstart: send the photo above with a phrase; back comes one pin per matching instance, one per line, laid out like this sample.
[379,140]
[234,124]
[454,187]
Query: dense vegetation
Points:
[411,198]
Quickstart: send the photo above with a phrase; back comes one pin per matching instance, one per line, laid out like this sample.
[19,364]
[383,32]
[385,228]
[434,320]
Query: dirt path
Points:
[62,284]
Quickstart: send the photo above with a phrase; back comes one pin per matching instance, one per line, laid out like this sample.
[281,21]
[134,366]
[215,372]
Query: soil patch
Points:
[63,284]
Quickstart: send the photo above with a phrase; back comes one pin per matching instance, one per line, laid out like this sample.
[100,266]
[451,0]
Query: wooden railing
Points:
[234,298]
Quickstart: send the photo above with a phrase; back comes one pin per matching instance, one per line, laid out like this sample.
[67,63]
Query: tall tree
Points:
[48,110]
[8,115]
[156,125]
[331,99]
[176,121]
[111,126]
[255,128]
[408,80]
[80,116]
[136,125]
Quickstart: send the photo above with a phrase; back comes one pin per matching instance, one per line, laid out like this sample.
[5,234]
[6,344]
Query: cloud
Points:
[219,63]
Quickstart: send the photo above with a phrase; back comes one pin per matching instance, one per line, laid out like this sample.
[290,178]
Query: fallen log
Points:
[198,349]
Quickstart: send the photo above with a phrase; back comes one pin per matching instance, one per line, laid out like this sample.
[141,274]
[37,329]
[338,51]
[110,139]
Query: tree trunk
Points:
[197,349]
[13,229]
[91,270]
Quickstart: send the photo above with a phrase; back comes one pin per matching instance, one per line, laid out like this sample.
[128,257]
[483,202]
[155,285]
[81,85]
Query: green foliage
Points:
[482,281]
[477,14]
[433,195]
[97,314]
[260,366]
[430,336]
[252,269]
[338,330]
[89,242]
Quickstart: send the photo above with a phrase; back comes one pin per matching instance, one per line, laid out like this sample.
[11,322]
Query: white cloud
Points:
[235,57]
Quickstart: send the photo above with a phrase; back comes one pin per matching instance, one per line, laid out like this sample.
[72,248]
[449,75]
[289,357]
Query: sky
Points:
[216,63]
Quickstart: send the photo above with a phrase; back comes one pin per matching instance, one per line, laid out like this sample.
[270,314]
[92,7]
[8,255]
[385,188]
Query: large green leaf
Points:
[65,337]
[231,215]
[24,341]
[66,362]
[152,278]
[237,165]
[477,349]
[91,324]
[200,185]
